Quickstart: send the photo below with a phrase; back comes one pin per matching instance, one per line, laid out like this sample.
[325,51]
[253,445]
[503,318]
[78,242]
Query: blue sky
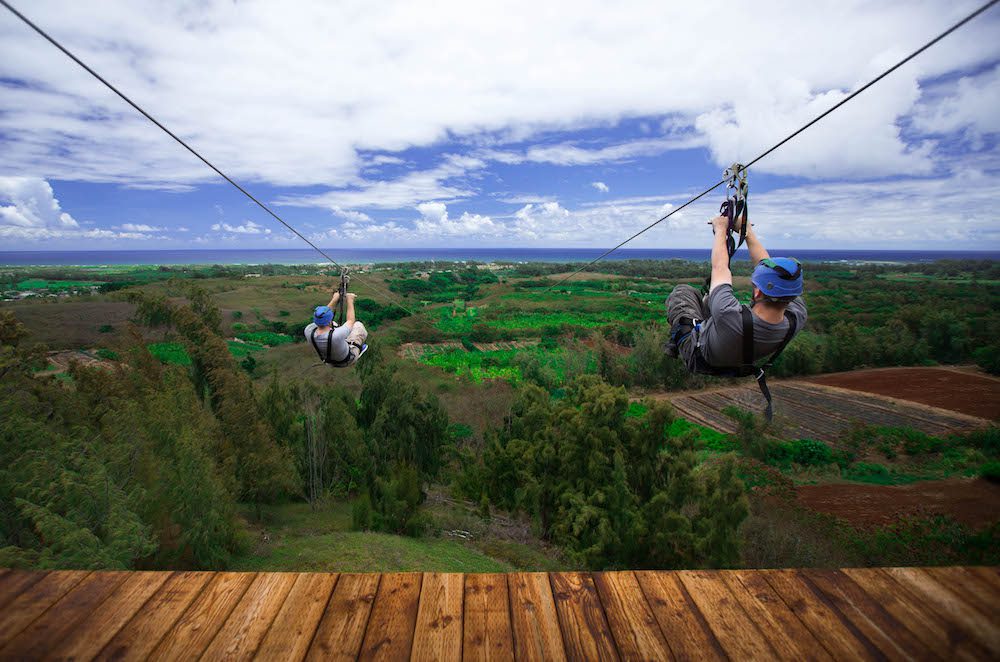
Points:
[449,124]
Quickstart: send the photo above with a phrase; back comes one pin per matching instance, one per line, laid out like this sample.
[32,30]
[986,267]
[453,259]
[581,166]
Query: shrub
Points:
[107,354]
[991,471]
[105,328]
[988,358]
[361,514]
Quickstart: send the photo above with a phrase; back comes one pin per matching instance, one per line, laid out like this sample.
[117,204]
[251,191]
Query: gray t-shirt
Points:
[722,334]
[337,336]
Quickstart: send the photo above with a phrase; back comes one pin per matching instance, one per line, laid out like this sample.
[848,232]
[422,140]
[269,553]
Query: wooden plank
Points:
[36,593]
[93,633]
[682,624]
[295,625]
[989,575]
[137,639]
[826,624]
[738,635]
[438,633]
[782,629]
[51,627]
[393,617]
[636,632]
[973,589]
[487,634]
[939,635]
[879,626]
[194,631]
[950,606]
[585,630]
[533,617]
[250,620]
[14,582]
[342,627]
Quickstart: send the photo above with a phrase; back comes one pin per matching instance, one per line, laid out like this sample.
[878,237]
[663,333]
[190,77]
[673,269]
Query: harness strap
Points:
[762,375]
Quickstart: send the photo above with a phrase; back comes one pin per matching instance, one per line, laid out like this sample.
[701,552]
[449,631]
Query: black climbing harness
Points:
[687,327]
[339,317]
[733,208]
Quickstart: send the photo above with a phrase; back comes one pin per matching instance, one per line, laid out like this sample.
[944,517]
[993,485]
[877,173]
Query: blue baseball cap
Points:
[778,278]
[323,315]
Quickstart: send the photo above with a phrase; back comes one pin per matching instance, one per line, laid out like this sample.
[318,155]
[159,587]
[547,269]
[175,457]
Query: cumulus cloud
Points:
[249,227]
[350,215]
[434,221]
[971,102]
[600,186]
[29,202]
[332,80]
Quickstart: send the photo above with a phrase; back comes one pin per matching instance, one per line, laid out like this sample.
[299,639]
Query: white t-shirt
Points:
[338,336]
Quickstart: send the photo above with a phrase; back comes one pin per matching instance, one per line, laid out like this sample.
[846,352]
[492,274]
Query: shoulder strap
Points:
[312,339]
[784,343]
[748,355]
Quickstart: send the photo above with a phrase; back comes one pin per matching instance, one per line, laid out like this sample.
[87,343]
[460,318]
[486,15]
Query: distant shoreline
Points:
[479,255]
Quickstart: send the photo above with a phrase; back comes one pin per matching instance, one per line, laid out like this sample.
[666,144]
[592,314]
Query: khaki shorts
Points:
[356,339]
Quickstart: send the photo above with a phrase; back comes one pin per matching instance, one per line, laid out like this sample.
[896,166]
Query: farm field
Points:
[805,410]
[974,502]
[970,393]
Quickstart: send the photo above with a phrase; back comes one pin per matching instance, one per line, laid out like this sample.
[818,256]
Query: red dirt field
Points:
[973,502]
[964,392]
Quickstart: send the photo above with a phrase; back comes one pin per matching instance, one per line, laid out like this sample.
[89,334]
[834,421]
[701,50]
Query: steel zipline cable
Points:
[183,144]
[784,140]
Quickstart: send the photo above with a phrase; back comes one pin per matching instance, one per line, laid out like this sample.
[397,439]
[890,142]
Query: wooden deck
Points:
[895,613]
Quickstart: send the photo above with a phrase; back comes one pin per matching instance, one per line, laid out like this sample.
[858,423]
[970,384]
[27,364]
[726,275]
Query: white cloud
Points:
[434,221]
[600,186]
[140,227]
[351,215]
[29,202]
[329,80]
[972,102]
[249,227]
[571,154]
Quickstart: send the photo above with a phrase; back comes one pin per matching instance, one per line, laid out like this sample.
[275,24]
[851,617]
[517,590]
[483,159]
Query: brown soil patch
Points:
[961,391]
[973,502]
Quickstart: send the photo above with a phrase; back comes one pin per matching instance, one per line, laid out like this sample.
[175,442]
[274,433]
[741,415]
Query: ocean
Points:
[371,256]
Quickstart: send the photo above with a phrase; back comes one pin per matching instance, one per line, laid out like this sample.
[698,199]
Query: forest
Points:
[196,429]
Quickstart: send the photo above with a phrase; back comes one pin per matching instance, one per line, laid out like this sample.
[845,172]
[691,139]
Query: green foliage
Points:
[613,490]
[361,513]
[988,358]
[927,541]
[269,338]
[711,439]
[107,354]
[105,328]
[869,472]
[991,471]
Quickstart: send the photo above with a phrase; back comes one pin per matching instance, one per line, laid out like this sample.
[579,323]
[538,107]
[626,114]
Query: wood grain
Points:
[487,634]
[636,631]
[393,617]
[342,627]
[940,637]
[438,633]
[682,624]
[878,625]
[14,582]
[821,618]
[51,627]
[534,619]
[950,606]
[194,631]
[737,633]
[585,630]
[250,620]
[295,625]
[35,599]
[91,635]
[137,639]
[782,629]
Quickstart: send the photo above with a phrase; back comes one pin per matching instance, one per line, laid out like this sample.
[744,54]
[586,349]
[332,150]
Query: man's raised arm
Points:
[720,255]
[757,250]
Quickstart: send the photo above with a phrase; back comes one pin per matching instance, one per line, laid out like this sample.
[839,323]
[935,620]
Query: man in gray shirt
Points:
[708,334]
[339,346]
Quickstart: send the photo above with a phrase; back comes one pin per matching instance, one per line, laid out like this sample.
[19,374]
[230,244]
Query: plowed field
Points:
[974,502]
[805,410]
[966,392]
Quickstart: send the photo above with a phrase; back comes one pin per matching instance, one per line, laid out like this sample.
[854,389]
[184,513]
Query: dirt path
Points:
[974,502]
[956,390]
